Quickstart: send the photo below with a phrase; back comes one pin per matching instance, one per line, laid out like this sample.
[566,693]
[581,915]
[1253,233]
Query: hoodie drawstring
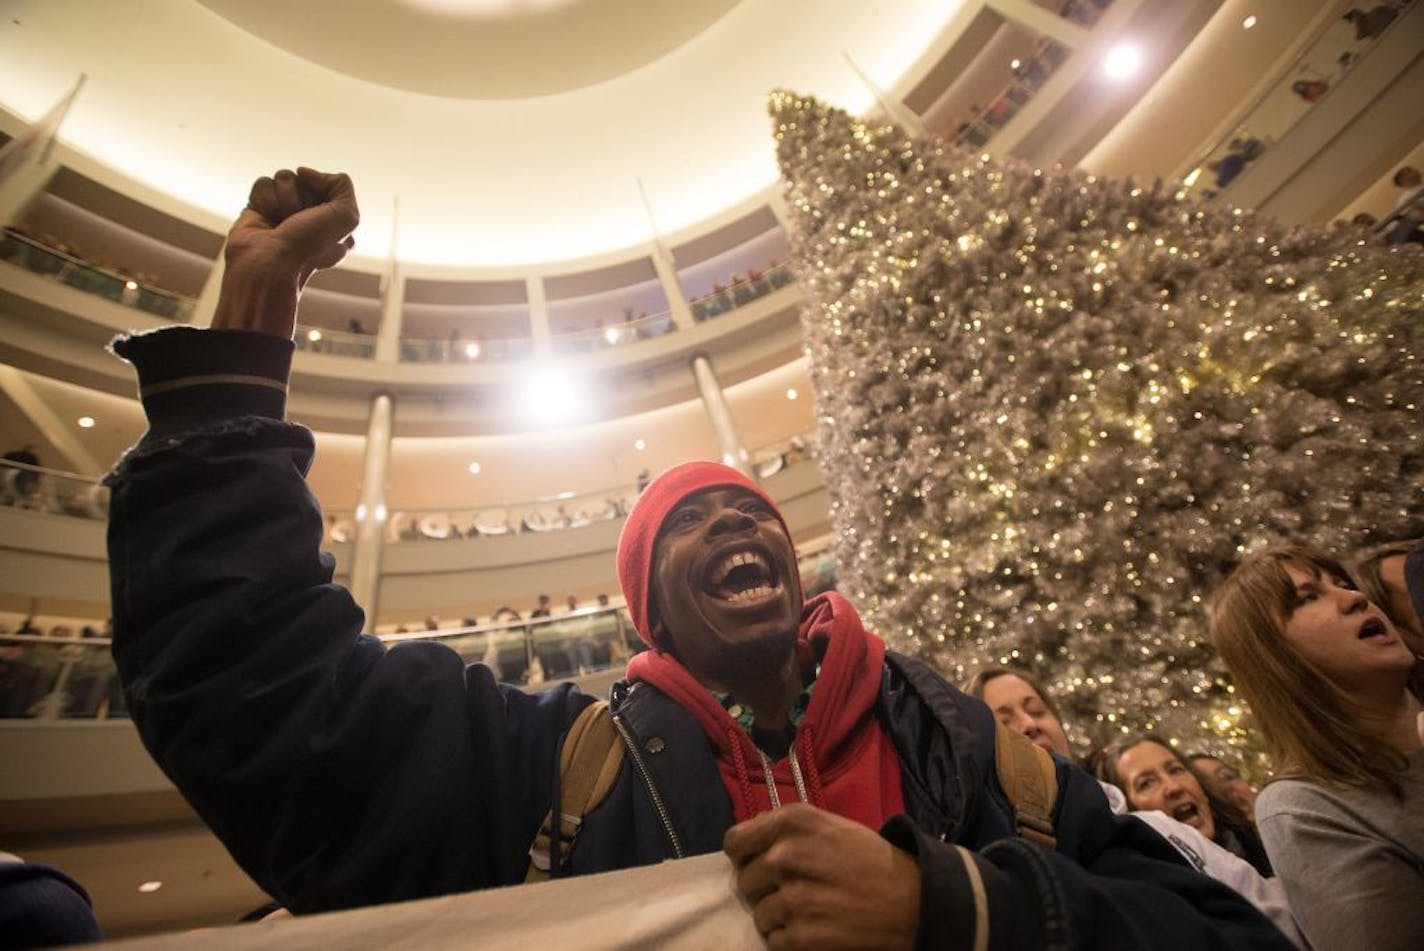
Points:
[806,741]
[744,779]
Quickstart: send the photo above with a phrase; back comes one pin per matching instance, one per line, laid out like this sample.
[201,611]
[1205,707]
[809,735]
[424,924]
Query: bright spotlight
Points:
[639,445]
[1249,22]
[610,334]
[791,393]
[472,350]
[313,335]
[86,422]
[474,468]
[550,396]
[1123,61]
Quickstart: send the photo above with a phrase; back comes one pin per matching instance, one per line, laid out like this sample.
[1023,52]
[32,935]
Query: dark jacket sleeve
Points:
[337,772]
[1112,884]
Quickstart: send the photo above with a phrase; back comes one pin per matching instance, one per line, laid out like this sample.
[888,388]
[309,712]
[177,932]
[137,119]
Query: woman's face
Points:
[1341,633]
[1155,779]
[1019,707]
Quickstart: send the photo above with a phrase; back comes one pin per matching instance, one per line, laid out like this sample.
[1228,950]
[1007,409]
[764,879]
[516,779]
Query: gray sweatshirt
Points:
[1351,860]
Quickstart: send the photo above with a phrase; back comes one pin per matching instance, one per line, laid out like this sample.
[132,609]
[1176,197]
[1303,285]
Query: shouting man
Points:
[854,789]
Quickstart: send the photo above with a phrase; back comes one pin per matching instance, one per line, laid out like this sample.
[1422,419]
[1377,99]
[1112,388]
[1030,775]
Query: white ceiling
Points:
[194,106]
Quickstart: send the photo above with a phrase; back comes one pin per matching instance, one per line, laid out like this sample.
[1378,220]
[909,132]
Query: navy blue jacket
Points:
[340,773]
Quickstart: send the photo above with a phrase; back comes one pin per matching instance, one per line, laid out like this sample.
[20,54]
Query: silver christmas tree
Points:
[1054,410]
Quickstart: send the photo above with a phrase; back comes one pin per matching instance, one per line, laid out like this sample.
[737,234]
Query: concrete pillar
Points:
[672,287]
[713,400]
[371,514]
[388,334]
[538,316]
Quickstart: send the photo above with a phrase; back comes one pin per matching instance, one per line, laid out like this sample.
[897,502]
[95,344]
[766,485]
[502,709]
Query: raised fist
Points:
[295,224]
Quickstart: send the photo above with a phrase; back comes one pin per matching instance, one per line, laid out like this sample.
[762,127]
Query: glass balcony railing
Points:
[460,351]
[31,255]
[619,334]
[57,493]
[1030,75]
[1332,52]
[745,289]
[338,343]
[74,678]
[557,513]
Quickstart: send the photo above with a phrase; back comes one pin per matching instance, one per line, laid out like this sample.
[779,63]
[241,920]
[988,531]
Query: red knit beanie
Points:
[640,531]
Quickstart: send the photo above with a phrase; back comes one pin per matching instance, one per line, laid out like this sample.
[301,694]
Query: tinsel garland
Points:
[1054,410]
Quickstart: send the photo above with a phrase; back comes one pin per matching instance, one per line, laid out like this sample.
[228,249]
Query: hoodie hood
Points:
[848,763]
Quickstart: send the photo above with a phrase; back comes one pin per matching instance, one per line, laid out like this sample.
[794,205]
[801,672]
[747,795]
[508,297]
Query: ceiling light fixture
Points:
[1122,62]
[474,468]
[1249,22]
[131,285]
[86,422]
[551,395]
[791,393]
[1015,63]
[313,335]
[472,350]
[639,445]
[149,888]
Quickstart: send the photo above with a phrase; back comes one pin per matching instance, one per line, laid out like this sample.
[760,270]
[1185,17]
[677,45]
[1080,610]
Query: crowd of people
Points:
[1331,660]
[861,799]
[740,289]
[1317,71]
[54,257]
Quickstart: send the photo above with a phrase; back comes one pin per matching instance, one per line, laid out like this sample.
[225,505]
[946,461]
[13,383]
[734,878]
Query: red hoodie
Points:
[847,761]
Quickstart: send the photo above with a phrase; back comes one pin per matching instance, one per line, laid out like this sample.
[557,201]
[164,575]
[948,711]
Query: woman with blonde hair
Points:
[1335,689]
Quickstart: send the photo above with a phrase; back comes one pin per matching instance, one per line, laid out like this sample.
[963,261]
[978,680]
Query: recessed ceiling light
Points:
[1123,61]
[86,422]
[639,445]
[791,393]
[1249,22]
[472,350]
[131,285]
[313,335]
[1015,63]
[150,887]
[474,468]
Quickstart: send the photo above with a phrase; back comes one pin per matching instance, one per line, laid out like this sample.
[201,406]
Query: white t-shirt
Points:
[1267,894]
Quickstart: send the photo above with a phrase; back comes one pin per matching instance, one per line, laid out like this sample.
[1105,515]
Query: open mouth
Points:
[743,577]
[1187,813]
[1374,629]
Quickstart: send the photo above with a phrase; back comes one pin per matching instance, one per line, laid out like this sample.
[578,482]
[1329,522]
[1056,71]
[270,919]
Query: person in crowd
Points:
[1370,23]
[1392,576]
[1153,775]
[24,483]
[432,623]
[1334,687]
[1311,90]
[1226,781]
[504,614]
[1022,704]
[340,773]
[542,608]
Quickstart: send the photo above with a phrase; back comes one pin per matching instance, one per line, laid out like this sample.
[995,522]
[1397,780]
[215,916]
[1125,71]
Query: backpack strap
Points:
[1030,780]
[589,763]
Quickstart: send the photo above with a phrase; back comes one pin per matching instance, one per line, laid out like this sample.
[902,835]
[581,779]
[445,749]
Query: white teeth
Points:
[760,591]
[725,566]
